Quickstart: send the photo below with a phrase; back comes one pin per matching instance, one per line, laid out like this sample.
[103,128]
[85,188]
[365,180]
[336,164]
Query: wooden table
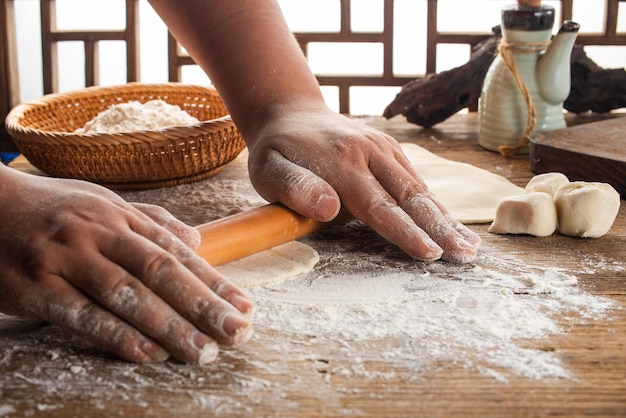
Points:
[46,372]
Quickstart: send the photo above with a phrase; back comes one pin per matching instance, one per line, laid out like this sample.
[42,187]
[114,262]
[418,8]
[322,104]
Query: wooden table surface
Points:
[280,372]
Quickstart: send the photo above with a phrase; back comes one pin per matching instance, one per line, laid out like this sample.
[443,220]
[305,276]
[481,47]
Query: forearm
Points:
[248,52]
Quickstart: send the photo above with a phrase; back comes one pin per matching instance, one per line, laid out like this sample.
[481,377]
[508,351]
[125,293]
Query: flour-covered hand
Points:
[78,256]
[314,160]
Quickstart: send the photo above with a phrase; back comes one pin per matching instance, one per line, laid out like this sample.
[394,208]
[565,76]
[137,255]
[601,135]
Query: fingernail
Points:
[237,327]
[161,355]
[155,352]
[208,354]
[242,303]
[464,253]
[326,208]
[461,258]
[434,253]
[207,348]
[468,247]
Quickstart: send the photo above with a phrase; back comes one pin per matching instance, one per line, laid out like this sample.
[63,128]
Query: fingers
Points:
[374,206]
[139,306]
[58,303]
[140,315]
[94,265]
[186,233]
[186,282]
[296,187]
[469,235]
[458,244]
[155,291]
[381,189]
[202,271]
[199,267]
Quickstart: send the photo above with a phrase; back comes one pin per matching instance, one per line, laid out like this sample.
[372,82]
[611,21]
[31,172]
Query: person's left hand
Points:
[76,255]
[314,160]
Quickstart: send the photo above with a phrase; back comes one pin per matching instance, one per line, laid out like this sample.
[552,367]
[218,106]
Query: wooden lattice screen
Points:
[386,37]
[51,37]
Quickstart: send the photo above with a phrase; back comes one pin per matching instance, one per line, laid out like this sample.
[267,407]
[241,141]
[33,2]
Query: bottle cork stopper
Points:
[531,3]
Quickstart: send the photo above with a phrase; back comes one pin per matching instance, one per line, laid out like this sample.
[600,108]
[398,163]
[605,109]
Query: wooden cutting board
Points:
[591,152]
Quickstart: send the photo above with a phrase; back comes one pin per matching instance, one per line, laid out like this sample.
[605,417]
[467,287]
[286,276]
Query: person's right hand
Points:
[78,256]
[315,161]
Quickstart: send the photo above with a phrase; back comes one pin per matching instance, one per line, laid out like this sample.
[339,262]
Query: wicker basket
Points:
[43,132]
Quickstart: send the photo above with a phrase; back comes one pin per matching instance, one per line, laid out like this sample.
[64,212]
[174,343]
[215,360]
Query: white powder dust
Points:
[484,316]
[134,116]
[367,316]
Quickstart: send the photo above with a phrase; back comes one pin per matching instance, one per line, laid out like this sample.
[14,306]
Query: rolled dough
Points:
[470,194]
[271,266]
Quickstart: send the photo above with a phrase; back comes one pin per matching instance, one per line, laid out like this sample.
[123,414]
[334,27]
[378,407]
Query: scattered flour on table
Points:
[134,116]
[384,321]
[366,312]
[489,315]
[201,202]
[495,315]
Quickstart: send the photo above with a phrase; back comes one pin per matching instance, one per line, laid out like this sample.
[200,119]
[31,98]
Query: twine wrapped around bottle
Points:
[505,49]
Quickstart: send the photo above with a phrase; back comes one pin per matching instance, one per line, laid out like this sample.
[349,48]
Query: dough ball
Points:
[531,213]
[586,209]
[547,183]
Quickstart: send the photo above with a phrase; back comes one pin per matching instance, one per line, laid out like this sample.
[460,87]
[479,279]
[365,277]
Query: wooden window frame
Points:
[51,36]
[385,37]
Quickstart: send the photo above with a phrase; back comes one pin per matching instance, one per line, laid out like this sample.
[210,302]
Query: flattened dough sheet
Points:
[471,194]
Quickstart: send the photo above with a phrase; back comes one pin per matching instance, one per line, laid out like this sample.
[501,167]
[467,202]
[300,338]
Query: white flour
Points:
[479,317]
[381,320]
[134,116]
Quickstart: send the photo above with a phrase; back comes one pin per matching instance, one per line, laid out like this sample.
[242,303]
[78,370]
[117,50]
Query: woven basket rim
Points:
[16,115]
[111,138]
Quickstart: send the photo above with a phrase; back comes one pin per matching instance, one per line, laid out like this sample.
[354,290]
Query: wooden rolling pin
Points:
[250,232]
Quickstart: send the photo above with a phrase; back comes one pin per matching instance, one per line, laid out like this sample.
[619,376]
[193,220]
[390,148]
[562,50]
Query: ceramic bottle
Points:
[544,68]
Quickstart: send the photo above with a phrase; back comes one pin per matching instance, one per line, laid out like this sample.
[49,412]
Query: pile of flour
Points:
[135,116]
[495,316]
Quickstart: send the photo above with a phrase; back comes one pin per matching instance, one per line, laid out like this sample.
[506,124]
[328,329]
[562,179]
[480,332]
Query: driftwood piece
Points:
[436,97]
[594,88]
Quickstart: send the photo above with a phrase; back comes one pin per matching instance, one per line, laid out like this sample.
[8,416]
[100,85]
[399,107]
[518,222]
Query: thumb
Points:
[296,187]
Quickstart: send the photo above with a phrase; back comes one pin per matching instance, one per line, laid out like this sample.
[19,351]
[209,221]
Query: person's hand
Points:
[123,276]
[313,160]
[301,153]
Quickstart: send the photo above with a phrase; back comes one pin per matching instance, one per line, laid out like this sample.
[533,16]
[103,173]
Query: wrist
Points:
[286,108]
